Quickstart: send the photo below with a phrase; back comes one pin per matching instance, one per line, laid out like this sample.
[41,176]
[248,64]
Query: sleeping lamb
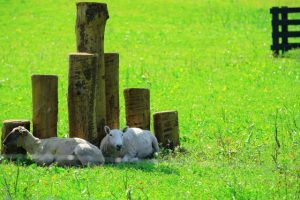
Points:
[63,151]
[130,145]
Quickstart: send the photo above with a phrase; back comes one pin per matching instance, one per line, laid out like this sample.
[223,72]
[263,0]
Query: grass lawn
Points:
[210,60]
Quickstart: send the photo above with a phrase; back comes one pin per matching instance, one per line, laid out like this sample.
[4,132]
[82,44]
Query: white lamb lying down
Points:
[63,151]
[130,145]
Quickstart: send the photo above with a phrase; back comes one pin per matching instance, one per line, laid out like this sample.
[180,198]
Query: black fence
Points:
[281,36]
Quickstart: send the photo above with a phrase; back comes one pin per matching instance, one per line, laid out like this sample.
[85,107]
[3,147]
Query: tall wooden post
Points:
[284,29]
[81,97]
[275,30]
[112,89]
[90,27]
[45,105]
[166,128]
[137,107]
[13,152]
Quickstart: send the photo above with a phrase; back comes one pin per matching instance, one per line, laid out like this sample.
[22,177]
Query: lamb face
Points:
[114,138]
[15,137]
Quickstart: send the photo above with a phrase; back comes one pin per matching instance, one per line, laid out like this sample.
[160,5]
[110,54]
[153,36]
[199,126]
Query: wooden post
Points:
[284,29]
[112,89]
[275,30]
[166,128]
[81,97]
[13,152]
[137,107]
[90,27]
[45,105]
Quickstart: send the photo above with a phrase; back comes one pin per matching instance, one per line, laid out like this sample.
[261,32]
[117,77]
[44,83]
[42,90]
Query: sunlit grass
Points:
[210,60]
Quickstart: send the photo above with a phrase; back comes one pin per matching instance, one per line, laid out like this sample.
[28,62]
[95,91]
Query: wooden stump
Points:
[166,128]
[81,97]
[45,105]
[90,27]
[13,153]
[137,107]
[112,89]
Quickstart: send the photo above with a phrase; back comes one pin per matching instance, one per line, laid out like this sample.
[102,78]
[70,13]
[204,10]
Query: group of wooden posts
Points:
[93,92]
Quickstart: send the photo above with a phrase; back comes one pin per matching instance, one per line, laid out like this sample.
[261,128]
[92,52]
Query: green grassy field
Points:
[210,60]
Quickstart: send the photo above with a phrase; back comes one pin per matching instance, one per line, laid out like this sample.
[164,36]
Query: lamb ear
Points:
[23,131]
[106,129]
[125,129]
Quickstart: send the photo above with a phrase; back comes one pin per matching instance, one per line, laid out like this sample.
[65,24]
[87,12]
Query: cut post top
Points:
[16,121]
[112,54]
[92,9]
[92,4]
[48,76]
[136,89]
[132,92]
[165,112]
[83,54]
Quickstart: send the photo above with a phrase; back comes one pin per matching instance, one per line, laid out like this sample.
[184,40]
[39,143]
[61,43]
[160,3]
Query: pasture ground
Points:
[210,60]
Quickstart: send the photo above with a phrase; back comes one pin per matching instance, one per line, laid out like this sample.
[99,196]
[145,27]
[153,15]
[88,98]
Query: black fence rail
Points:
[281,36]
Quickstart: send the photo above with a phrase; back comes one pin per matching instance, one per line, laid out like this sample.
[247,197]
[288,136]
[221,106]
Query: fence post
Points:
[275,30]
[112,89]
[166,128]
[284,29]
[13,152]
[137,107]
[90,27]
[81,97]
[45,105]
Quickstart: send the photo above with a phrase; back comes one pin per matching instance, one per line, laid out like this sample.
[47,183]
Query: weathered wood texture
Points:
[166,128]
[81,97]
[112,89]
[44,105]
[13,152]
[137,107]
[90,27]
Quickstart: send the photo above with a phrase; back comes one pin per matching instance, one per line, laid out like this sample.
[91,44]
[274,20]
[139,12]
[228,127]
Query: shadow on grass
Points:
[146,166]
[19,162]
[292,54]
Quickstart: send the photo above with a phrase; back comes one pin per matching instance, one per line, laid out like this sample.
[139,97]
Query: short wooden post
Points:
[13,152]
[166,128]
[90,27]
[112,89]
[137,107]
[81,97]
[45,105]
